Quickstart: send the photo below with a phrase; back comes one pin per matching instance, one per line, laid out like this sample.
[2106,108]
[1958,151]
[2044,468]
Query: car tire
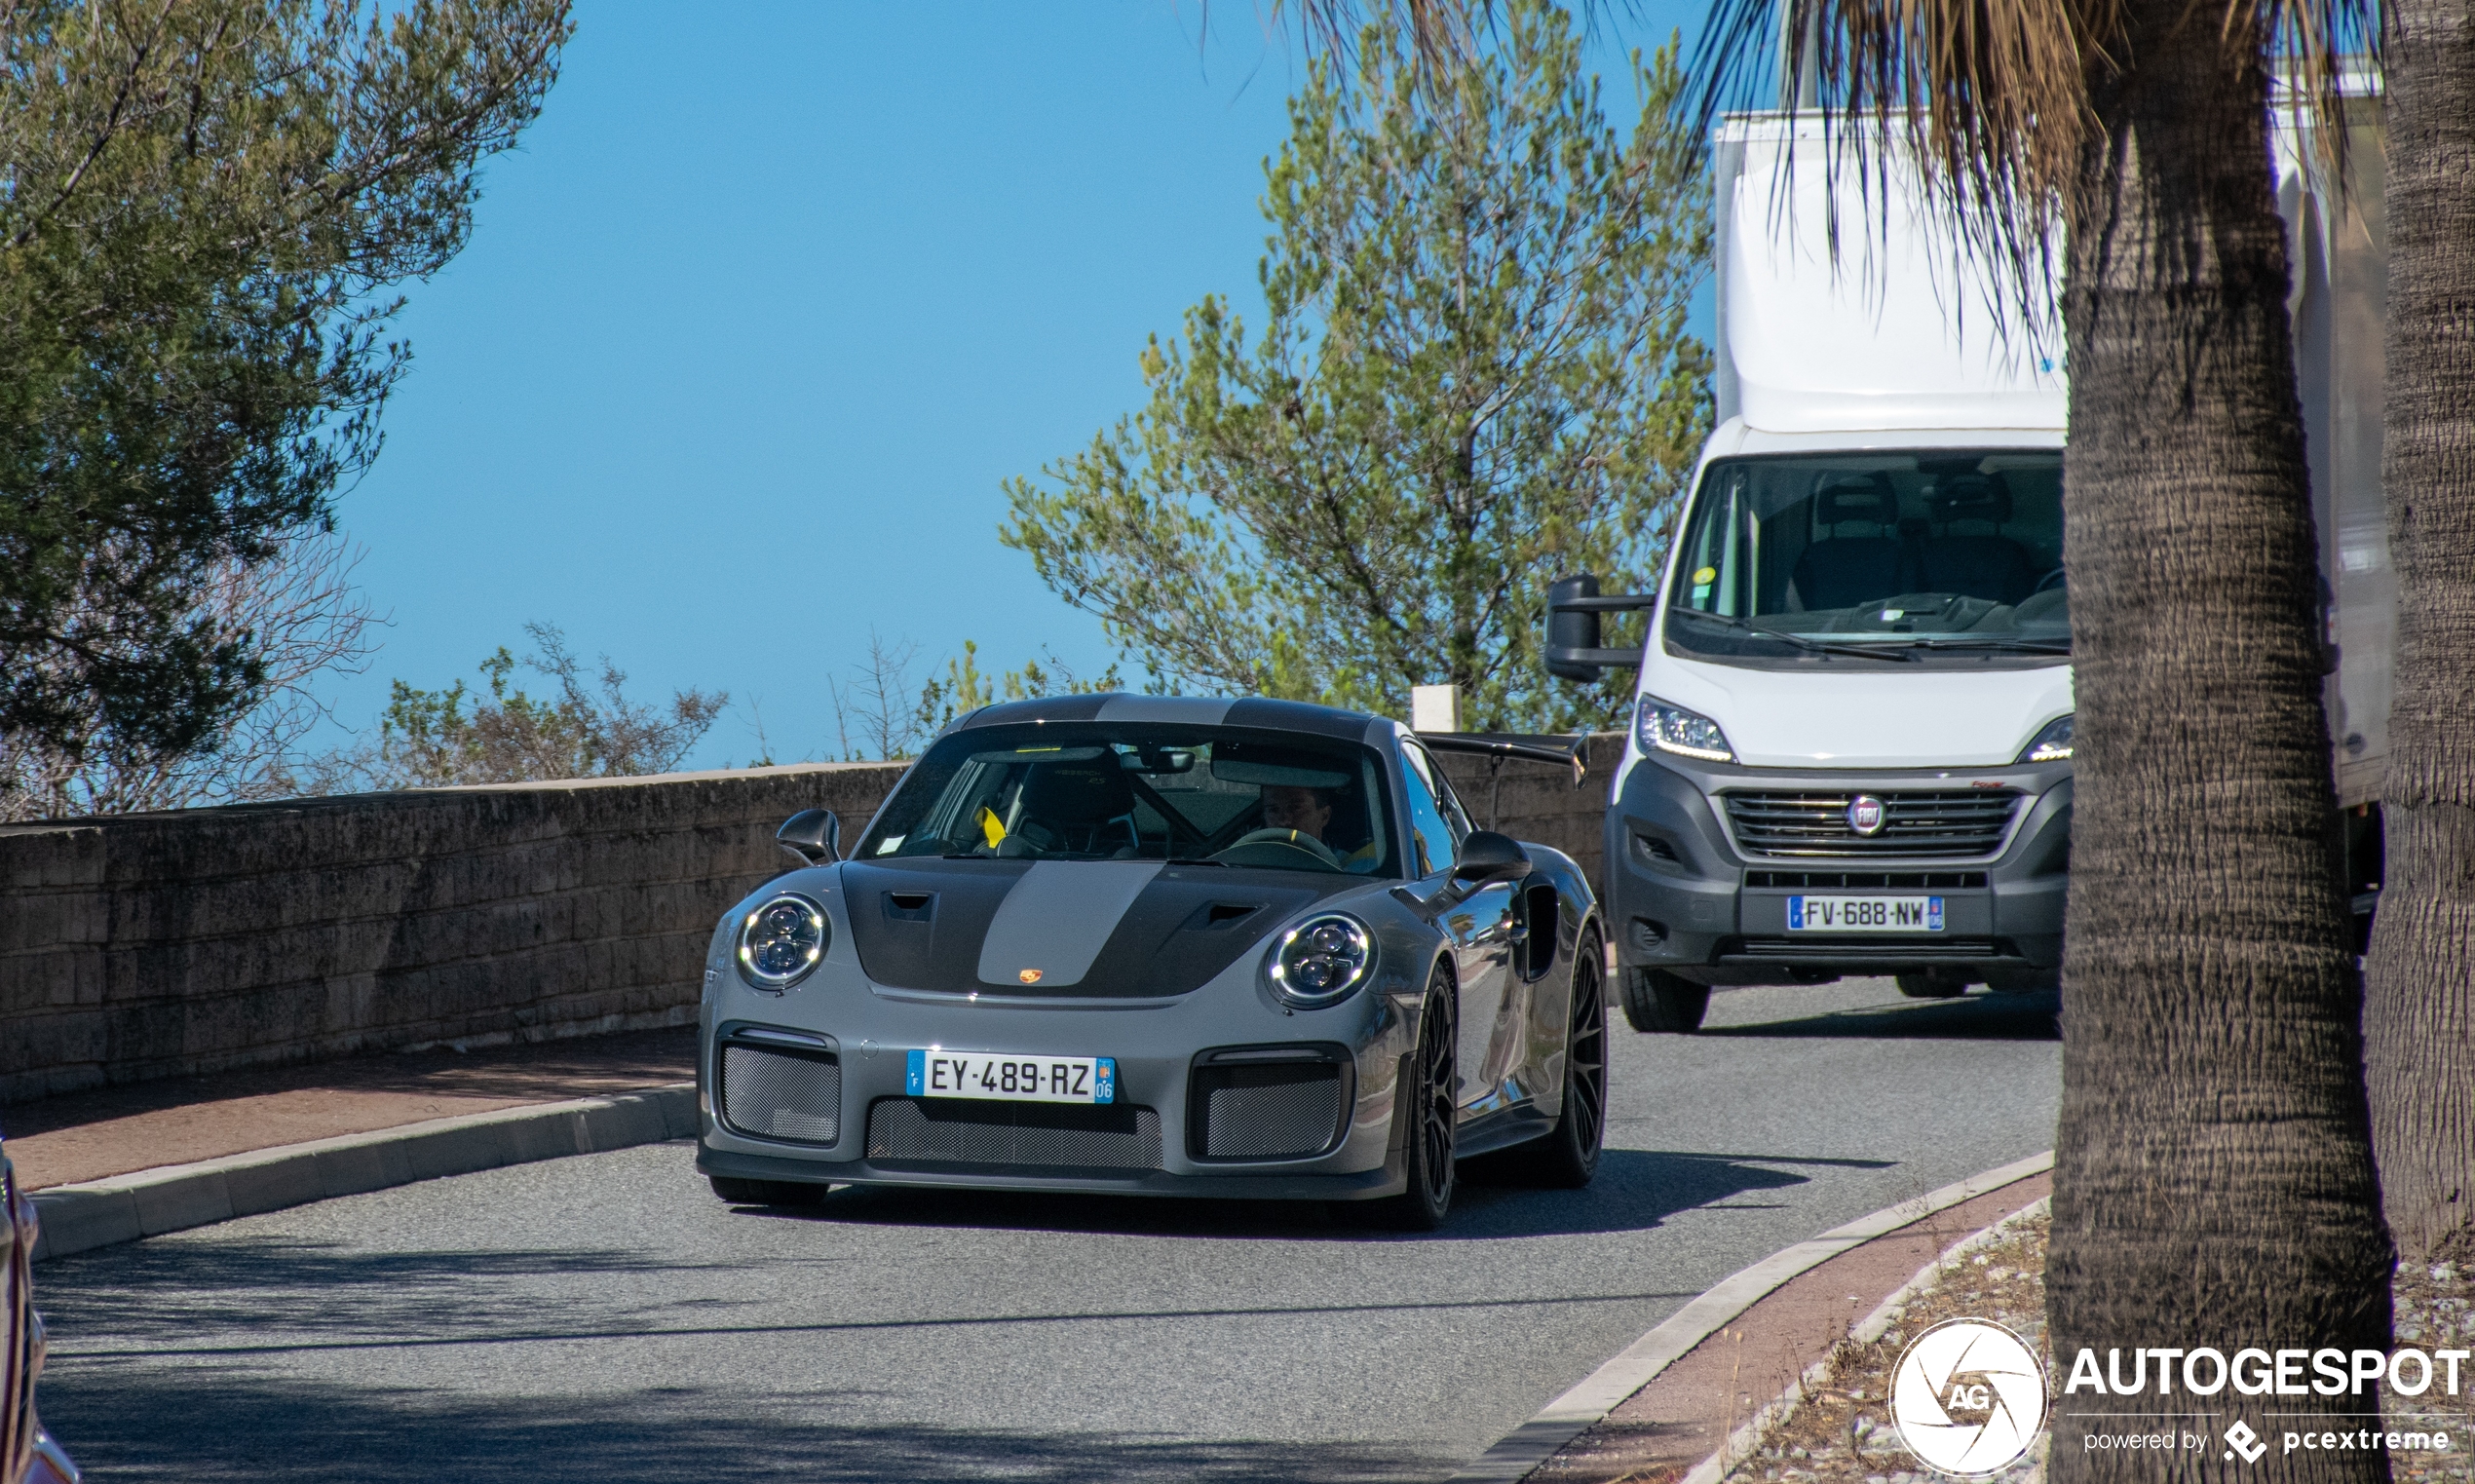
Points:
[1658,1001]
[766,1192]
[1428,1154]
[1567,1158]
[1930,986]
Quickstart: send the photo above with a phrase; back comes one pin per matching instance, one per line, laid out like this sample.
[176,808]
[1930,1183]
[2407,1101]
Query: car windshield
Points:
[1094,792]
[1924,557]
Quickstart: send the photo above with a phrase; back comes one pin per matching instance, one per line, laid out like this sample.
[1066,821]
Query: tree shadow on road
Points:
[187,1424]
[1978,1016]
[1635,1190]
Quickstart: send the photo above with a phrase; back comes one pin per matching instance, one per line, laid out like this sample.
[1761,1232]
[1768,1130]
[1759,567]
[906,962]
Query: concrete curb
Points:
[1582,1407]
[98,1214]
[1741,1443]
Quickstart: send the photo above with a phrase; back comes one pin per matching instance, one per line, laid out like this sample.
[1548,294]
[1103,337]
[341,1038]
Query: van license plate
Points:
[936,1073]
[1864,914]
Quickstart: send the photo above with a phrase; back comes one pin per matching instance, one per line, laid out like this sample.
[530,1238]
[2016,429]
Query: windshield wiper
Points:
[1988,641]
[1895,652]
[1195,860]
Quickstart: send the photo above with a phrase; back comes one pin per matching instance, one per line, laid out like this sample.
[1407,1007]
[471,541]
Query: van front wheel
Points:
[1657,1001]
[1931,986]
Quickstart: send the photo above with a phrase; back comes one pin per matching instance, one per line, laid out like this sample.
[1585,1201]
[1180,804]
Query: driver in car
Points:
[1308,811]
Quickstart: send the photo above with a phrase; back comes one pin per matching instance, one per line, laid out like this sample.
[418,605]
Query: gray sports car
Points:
[1160,946]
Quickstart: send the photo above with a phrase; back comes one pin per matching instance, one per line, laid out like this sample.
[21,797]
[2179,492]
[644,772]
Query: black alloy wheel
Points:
[1569,1156]
[1657,1001]
[1428,1139]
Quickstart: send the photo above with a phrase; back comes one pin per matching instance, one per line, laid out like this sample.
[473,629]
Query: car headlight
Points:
[1323,959]
[780,941]
[1673,729]
[2053,745]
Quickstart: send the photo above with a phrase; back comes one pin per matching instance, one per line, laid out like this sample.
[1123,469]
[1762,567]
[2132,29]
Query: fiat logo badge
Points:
[1866,815]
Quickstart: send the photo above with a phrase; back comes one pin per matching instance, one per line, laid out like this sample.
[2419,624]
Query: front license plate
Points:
[1013,1079]
[1864,914]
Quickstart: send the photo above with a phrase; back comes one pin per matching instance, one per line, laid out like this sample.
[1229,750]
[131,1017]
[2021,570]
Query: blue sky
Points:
[767,305]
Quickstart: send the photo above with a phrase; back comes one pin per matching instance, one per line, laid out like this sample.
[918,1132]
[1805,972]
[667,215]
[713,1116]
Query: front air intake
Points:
[1266,1110]
[778,1093]
[1111,1138]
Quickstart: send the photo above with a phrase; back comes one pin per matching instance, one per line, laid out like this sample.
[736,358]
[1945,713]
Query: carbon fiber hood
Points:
[1095,929]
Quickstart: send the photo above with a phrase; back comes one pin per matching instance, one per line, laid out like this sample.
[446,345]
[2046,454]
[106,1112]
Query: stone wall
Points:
[1536,801]
[168,944]
[201,941]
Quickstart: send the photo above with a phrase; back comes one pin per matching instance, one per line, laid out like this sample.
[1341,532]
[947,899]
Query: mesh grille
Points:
[782,1095]
[1863,951]
[1282,1111]
[1064,1135]
[1966,822]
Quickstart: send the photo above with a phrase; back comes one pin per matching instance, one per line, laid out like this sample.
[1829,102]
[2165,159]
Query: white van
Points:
[1852,736]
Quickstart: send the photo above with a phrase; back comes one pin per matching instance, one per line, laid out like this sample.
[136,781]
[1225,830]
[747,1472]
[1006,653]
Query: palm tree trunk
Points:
[2213,1184]
[2420,980]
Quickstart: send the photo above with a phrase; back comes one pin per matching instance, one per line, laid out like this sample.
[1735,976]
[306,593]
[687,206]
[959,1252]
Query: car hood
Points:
[1089,928]
[1870,718]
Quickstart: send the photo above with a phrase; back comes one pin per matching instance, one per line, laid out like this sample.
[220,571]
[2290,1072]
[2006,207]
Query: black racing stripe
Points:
[1298,716]
[1187,926]
[907,943]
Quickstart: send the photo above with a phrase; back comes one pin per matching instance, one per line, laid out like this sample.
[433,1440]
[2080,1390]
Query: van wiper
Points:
[1986,641]
[1897,652]
[1196,860]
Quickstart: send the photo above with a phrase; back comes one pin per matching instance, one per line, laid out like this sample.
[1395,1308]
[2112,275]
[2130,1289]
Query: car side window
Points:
[1431,834]
[1454,815]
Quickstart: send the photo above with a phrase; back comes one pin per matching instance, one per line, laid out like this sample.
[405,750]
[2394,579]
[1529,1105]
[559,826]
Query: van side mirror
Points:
[1487,857]
[1574,646]
[814,835]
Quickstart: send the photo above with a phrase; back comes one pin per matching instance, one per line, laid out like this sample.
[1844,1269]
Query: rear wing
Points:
[1498,748]
[1573,639]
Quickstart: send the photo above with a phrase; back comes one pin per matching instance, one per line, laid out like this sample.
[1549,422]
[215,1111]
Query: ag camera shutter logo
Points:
[1969,1396]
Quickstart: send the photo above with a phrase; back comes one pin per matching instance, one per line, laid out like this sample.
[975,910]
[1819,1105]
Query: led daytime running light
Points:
[2053,744]
[1664,727]
[1323,959]
[781,941]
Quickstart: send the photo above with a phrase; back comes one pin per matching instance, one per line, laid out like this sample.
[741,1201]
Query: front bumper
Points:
[1685,898]
[1163,1052]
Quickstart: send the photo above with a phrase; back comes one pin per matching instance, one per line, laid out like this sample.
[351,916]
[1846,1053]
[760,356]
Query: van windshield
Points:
[1930,558]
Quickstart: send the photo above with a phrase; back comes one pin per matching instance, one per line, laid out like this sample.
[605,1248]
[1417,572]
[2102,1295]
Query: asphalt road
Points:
[604,1321]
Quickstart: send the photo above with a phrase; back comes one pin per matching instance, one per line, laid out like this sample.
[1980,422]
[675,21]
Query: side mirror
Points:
[1487,857]
[814,835]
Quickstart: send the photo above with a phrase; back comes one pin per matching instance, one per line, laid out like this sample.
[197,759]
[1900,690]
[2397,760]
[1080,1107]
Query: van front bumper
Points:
[1687,896]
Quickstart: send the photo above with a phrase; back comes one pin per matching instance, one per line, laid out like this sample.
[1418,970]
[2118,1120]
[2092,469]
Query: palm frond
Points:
[1992,96]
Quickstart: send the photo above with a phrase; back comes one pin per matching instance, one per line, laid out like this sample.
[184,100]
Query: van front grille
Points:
[1953,822]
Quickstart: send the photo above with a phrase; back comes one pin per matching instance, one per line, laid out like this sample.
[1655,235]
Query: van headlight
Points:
[1323,959]
[2051,745]
[1669,728]
[780,941]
